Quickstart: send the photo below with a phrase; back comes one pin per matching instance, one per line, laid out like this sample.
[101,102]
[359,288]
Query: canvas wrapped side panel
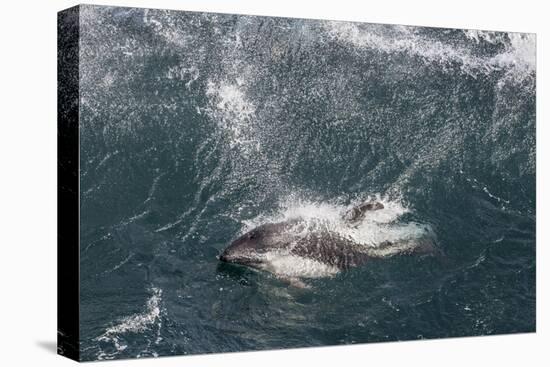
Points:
[68,183]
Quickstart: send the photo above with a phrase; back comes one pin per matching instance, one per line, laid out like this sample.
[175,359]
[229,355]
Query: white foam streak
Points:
[142,321]
[133,324]
[233,113]
[519,55]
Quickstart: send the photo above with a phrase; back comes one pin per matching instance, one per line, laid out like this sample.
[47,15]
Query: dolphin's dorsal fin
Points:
[358,212]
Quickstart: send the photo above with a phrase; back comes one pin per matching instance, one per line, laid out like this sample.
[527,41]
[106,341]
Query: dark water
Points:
[195,127]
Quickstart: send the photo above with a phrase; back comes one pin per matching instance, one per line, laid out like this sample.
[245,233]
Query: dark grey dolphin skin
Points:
[292,238]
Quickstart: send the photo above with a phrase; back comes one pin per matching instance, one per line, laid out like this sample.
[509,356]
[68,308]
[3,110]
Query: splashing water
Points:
[374,228]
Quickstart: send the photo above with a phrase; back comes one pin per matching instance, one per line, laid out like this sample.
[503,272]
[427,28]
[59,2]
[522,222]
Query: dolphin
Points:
[291,250]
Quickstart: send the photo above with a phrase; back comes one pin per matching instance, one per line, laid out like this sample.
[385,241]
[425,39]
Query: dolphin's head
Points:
[252,247]
[248,249]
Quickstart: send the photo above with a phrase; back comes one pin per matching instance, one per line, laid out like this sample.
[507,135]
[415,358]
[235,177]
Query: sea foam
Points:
[137,323]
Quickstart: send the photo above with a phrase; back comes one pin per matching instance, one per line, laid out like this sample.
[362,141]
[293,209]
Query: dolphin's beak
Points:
[223,257]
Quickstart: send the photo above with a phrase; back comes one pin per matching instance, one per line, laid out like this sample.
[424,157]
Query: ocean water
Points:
[196,127]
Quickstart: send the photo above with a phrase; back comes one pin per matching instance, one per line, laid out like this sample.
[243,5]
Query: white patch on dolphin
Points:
[293,266]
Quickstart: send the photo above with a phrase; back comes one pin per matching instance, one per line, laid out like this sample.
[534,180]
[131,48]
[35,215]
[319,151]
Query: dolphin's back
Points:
[331,249]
